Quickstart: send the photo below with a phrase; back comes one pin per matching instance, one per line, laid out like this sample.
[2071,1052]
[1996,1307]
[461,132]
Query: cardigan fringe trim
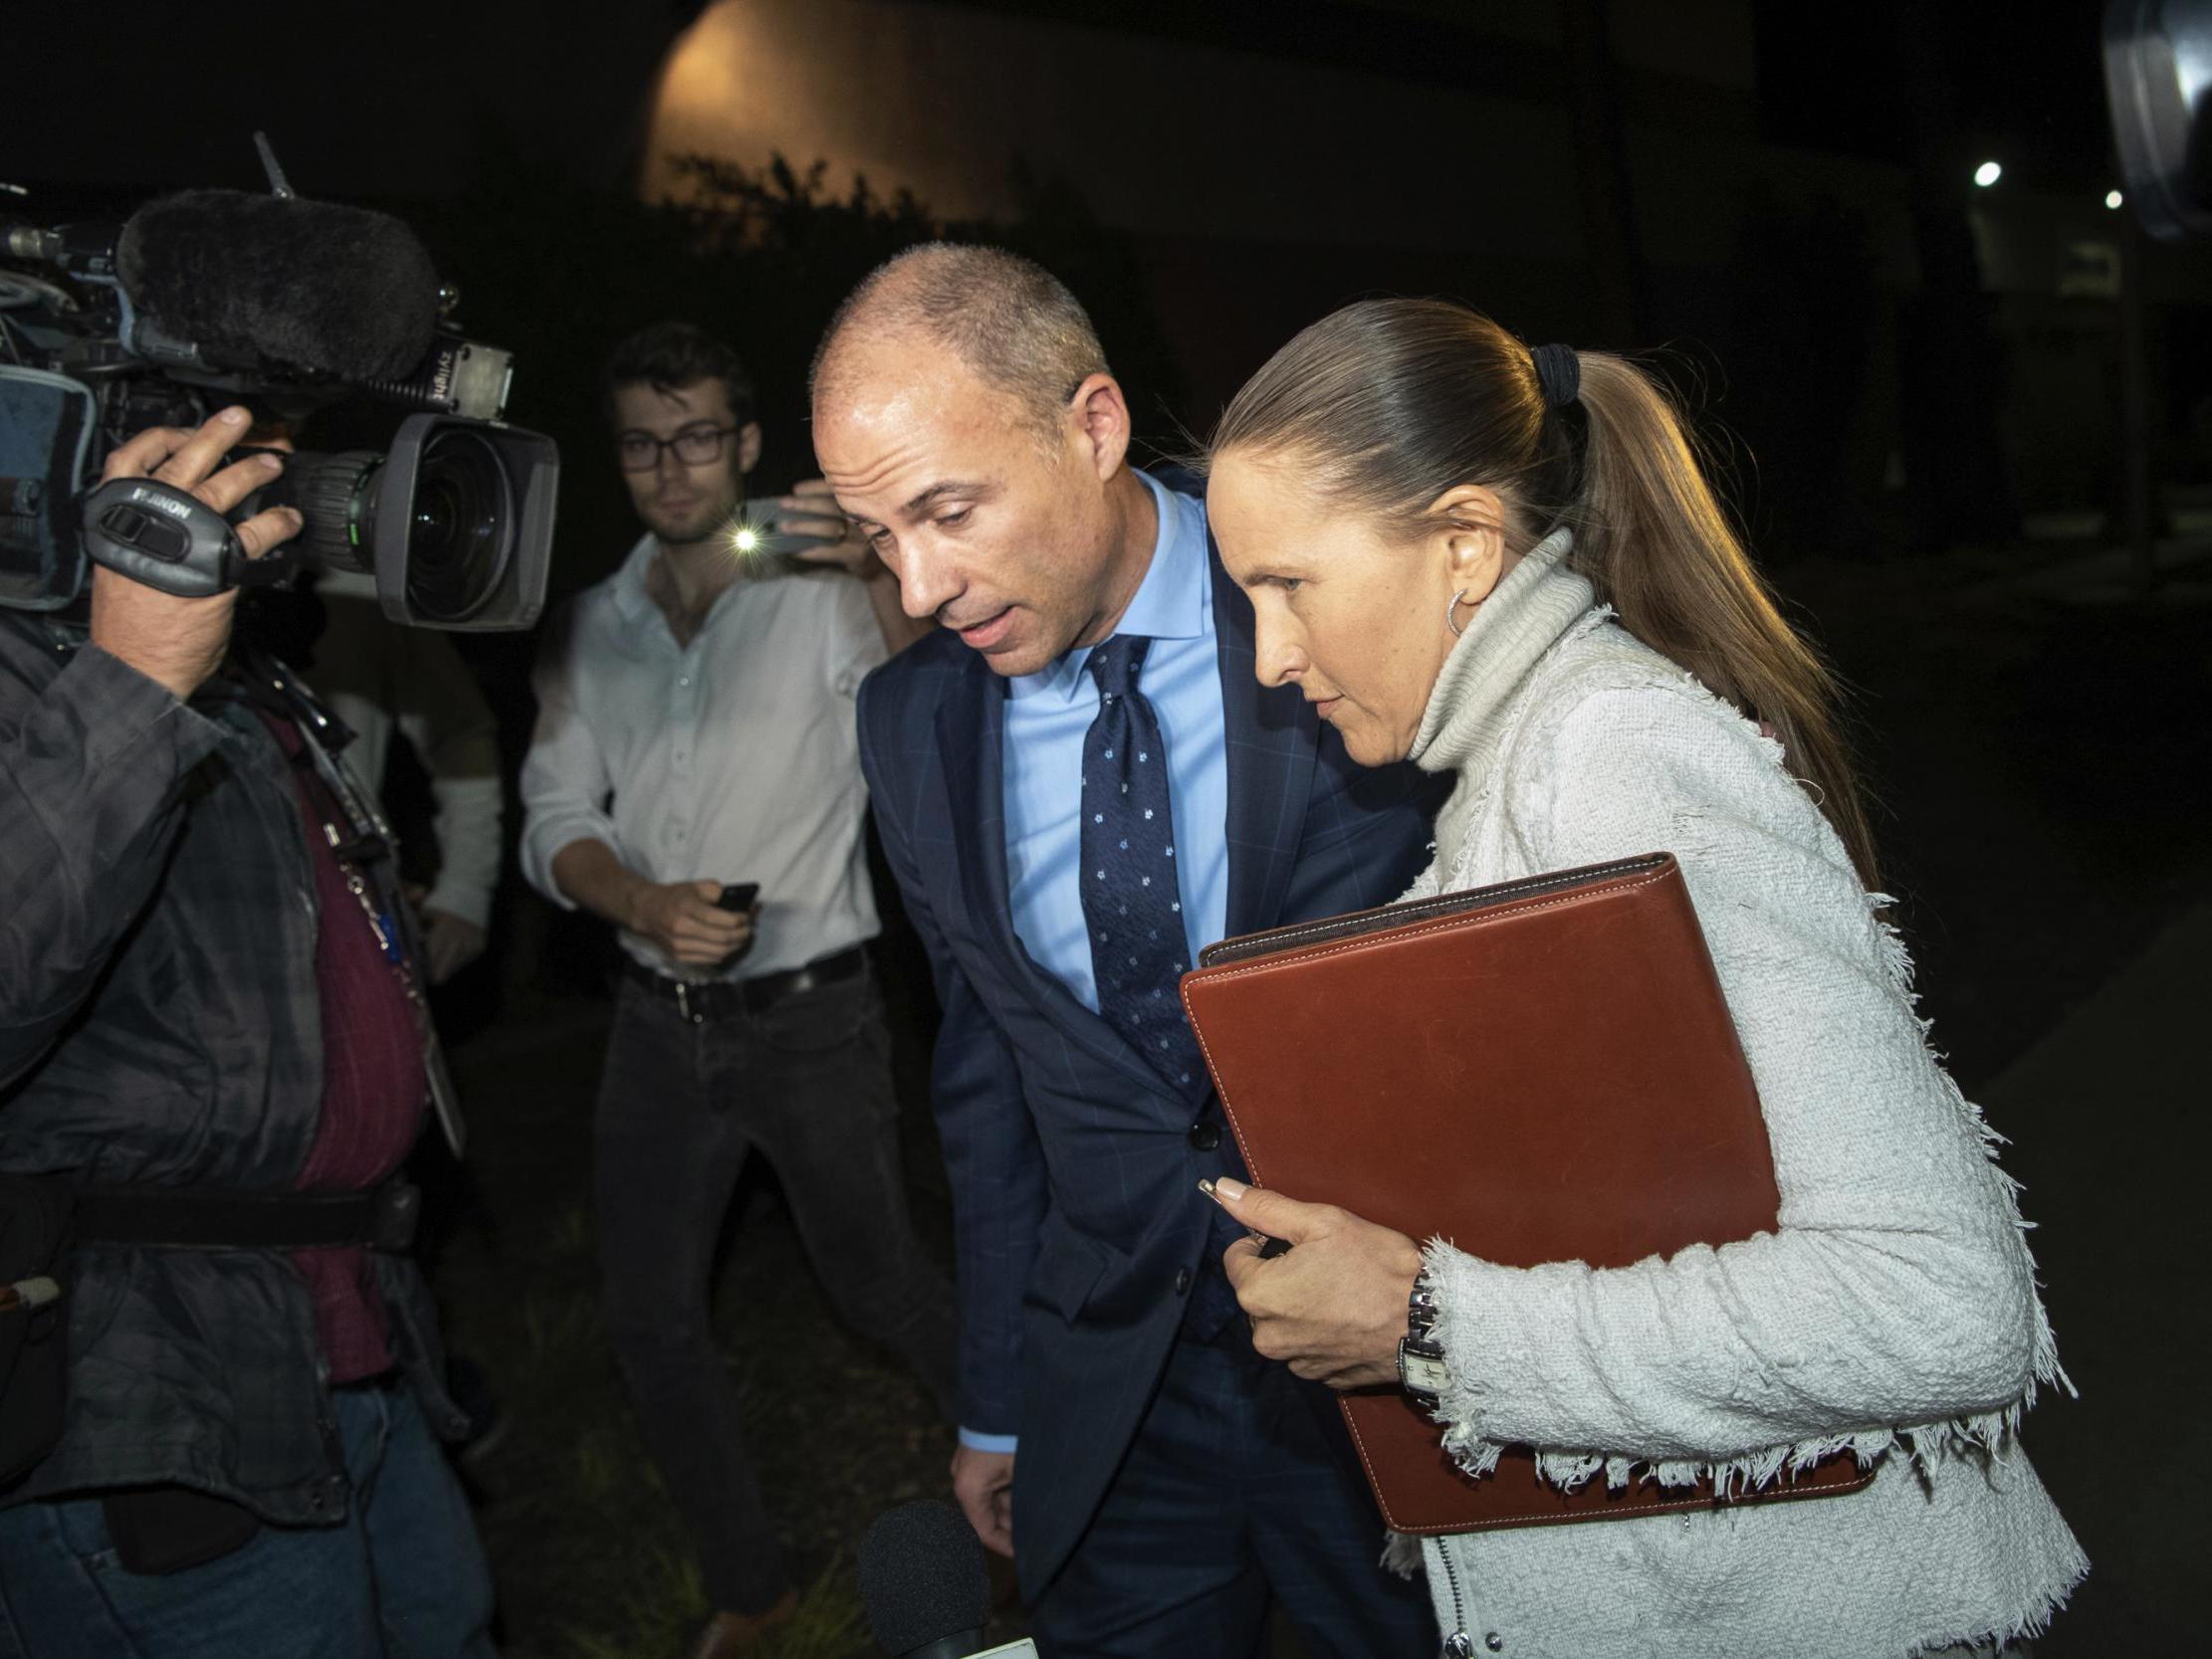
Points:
[1991,1433]
[2032,1622]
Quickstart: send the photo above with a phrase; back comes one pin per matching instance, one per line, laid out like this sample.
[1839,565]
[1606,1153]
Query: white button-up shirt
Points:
[733,758]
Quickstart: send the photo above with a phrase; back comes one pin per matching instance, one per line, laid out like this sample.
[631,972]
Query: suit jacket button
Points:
[1206,1137]
[1182,1281]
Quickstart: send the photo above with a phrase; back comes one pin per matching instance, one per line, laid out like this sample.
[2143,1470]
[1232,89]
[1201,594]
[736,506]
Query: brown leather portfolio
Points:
[1541,1071]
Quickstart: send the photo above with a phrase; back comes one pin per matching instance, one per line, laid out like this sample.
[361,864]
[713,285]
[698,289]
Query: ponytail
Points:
[1656,544]
[1390,403]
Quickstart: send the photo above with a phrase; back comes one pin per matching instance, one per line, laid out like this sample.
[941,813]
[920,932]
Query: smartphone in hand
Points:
[737,897]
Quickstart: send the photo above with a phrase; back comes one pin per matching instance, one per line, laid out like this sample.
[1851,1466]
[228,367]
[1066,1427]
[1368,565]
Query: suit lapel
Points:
[1271,736]
[971,728]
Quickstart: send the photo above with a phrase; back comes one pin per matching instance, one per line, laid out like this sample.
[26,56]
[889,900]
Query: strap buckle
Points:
[391,1228]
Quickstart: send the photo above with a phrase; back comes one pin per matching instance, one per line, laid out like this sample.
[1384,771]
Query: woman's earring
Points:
[1451,612]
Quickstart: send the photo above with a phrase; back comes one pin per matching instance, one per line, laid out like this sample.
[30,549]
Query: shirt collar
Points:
[1171,602]
[630,597]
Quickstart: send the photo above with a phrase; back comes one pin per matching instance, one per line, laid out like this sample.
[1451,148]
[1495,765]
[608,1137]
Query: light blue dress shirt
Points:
[1048,714]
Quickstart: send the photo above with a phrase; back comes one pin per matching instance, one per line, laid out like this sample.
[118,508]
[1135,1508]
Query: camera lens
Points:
[443,500]
[334,495]
[461,526]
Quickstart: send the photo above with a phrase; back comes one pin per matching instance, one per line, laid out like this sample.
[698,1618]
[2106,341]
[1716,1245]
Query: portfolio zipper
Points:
[1359,923]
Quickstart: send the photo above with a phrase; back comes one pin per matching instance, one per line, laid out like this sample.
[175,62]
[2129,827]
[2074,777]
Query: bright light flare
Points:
[2113,198]
[745,539]
[1988,173]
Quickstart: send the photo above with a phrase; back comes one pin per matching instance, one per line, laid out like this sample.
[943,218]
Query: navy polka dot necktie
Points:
[1131,898]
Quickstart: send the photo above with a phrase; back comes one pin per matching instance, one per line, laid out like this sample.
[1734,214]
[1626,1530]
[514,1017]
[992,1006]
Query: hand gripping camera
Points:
[208,294]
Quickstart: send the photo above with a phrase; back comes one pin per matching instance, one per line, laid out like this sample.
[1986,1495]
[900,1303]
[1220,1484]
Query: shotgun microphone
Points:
[338,290]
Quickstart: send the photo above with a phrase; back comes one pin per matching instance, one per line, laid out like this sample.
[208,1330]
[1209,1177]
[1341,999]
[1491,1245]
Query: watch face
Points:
[1423,1373]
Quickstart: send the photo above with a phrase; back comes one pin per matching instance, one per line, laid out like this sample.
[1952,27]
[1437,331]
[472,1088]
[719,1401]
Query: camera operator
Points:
[210,1038]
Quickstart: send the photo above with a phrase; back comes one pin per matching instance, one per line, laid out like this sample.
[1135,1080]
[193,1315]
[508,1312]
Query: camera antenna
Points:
[279,185]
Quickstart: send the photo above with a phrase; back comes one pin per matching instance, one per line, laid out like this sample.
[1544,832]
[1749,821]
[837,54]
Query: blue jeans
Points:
[403,1578]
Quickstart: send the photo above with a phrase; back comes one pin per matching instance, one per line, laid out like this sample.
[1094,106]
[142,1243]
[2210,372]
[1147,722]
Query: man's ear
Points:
[749,445]
[1100,416]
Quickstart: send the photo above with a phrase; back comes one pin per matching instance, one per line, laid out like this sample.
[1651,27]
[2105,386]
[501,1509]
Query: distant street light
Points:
[1988,173]
[2113,198]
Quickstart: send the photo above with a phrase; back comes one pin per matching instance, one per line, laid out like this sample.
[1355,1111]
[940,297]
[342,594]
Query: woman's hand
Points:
[1334,1307]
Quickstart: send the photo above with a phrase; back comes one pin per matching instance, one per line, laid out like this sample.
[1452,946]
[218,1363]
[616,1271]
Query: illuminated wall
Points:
[1166,137]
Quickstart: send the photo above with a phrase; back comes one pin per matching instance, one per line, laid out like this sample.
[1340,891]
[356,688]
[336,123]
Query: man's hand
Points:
[450,942]
[180,642]
[983,1484]
[684,921]
[812,510]
[1334,1307]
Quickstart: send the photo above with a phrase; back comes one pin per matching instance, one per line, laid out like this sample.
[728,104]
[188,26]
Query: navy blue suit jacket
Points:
[1078,1222]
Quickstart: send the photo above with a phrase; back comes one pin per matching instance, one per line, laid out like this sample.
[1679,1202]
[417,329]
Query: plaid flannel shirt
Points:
[159,1022]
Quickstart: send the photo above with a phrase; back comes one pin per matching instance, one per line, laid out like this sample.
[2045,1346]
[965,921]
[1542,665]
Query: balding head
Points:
[965,419]
[1007,320]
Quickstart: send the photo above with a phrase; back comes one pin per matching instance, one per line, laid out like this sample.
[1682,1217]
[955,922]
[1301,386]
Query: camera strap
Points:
[368,854]
[168,539]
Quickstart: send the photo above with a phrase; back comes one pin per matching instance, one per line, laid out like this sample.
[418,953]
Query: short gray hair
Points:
[1008,318]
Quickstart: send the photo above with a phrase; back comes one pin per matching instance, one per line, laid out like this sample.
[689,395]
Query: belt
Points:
[700,1000]
[216,1218]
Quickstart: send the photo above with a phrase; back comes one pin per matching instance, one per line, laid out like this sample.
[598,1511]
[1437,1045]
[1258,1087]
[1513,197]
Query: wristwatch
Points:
[1421,1370]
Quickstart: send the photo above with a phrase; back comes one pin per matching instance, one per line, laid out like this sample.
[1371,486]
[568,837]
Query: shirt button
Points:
[1182,1281]
[1494,1642]
[683,680]
[1206,1137]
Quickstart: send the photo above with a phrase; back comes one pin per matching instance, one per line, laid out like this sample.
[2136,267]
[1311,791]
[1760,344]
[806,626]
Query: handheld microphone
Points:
[923,1584]
[338,290]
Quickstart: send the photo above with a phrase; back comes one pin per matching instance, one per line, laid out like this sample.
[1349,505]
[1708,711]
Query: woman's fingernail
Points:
[270,462]
[233,416]
[1206,1188]
[1228,1187]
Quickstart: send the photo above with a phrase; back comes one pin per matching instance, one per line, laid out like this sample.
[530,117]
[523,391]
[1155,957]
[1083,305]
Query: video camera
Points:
[207,296]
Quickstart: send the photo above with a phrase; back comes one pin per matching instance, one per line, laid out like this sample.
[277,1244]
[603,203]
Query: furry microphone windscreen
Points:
[343,289]
[922,1577]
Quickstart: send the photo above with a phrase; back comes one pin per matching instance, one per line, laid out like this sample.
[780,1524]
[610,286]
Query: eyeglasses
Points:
[695,446]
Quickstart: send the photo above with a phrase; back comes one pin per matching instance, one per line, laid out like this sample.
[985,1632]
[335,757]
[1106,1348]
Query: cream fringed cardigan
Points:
[1894,1312]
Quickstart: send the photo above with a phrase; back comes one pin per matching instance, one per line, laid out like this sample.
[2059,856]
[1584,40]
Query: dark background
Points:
[1912,387]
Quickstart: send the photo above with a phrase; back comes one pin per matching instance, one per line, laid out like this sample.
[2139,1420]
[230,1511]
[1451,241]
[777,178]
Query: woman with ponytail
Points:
[1509,567]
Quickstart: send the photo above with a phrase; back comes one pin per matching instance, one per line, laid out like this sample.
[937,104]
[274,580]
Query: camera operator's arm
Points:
[93,761]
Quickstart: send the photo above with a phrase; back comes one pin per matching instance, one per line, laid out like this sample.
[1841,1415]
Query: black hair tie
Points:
[1559,373]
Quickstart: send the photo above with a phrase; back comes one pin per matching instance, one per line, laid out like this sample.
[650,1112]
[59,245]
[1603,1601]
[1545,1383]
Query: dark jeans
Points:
[401,1577]
[1241,1488]
[807,1084]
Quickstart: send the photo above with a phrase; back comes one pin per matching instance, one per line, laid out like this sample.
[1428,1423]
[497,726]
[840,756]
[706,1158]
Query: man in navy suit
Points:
[1079,783]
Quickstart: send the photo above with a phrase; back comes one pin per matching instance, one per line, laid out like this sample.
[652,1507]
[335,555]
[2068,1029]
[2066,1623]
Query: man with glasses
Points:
[695,779]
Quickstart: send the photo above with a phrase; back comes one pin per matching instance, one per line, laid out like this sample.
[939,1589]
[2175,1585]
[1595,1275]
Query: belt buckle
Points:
[683,1002]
